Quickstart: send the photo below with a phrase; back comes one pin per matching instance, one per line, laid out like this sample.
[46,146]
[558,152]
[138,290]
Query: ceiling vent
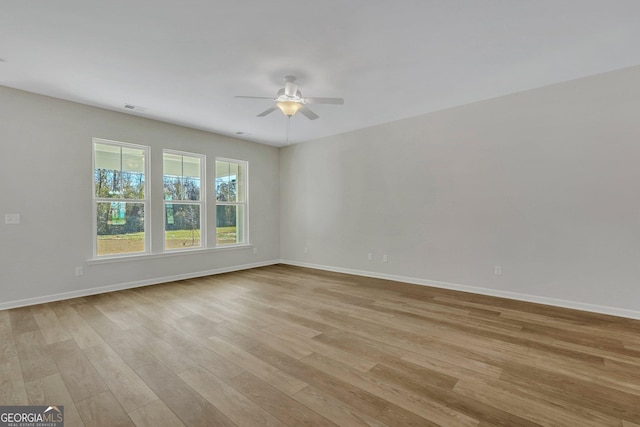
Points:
[134,107]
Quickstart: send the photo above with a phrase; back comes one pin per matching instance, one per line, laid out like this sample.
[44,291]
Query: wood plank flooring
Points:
[288,346]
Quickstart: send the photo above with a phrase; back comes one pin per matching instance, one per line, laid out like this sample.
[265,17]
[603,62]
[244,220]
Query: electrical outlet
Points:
[79,271]
[385,258]
[497,270]
[12,218]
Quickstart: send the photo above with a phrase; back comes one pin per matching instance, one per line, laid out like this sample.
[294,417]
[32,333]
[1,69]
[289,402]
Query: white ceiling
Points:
[183,61]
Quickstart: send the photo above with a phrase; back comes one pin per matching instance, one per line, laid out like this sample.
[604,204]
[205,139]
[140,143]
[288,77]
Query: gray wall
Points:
[46,176]
[545,183]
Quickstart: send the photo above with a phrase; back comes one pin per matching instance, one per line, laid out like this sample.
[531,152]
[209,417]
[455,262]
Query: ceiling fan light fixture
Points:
[289,108]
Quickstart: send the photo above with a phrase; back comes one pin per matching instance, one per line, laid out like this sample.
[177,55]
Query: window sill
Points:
[139,257]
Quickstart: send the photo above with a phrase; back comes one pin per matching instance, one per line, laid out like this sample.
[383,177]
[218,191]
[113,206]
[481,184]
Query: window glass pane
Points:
[132,185]
[172,164]
[107,156]
[172,187]
[191,188]
[226,181]
[229,224]
[181,177]
[182,226]
[132,160]
[119,172]
[191,174]
[132,173]
[120,228]
[222,168]
[107,175]
[222,180]
[108,183]
[191,167]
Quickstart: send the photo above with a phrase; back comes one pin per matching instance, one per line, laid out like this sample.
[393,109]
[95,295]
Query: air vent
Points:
[134,107]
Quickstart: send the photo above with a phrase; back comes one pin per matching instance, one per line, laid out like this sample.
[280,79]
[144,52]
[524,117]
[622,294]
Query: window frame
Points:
[202,202]
[146,201]
[245,204]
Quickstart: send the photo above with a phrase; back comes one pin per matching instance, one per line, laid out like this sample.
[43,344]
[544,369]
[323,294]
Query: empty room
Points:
[364,213]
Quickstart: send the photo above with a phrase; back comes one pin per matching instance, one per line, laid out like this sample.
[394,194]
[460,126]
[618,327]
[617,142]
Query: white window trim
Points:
[166,255]
[146,201]
[202,202]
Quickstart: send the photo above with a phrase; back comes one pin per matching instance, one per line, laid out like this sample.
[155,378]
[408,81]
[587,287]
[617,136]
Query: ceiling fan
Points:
[290,101]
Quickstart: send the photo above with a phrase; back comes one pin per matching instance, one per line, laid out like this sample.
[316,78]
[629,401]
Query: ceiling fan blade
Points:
[336,101]
[290,88]
[308,113]
[256,97]
[269,111]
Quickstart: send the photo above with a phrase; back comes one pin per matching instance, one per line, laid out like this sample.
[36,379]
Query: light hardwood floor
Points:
[282,345]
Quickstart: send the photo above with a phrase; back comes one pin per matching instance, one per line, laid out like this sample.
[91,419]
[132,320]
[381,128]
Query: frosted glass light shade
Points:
[289,108]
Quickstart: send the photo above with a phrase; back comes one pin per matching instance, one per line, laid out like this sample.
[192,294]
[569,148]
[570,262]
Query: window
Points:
[183,200]
[231,202]
[120,198]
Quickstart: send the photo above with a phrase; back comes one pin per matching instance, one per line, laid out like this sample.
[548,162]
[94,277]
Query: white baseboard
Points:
[129,285]
[613,311]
